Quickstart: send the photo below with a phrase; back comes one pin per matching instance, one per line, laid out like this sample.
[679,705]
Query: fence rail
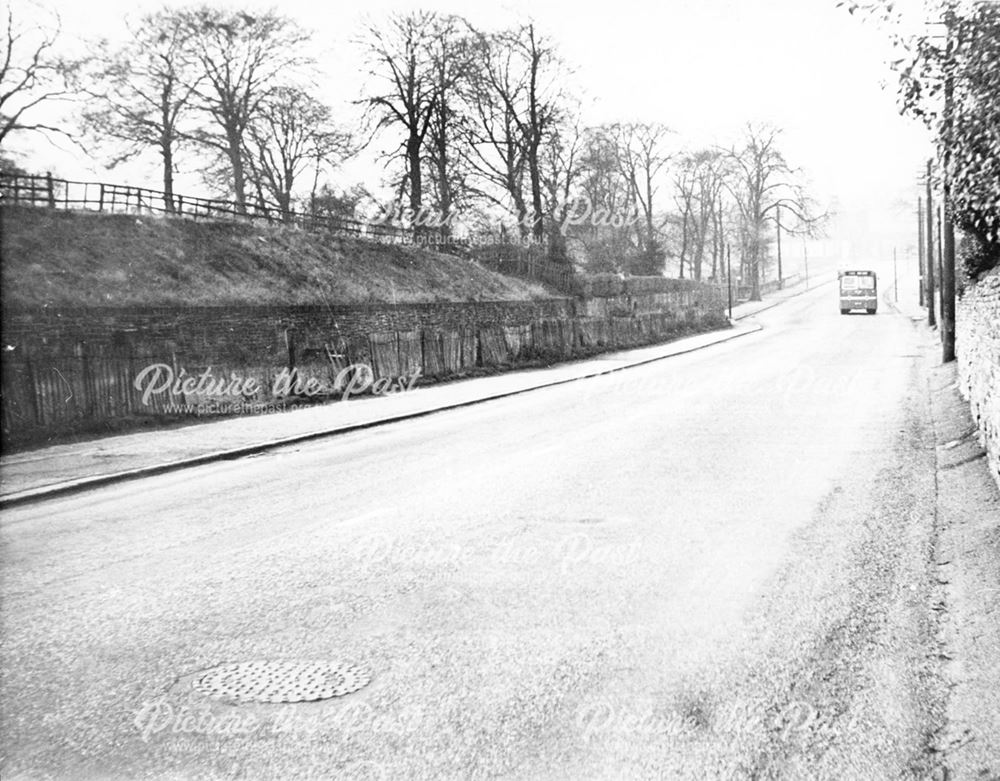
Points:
[556,276]
[503,257]
[48,191]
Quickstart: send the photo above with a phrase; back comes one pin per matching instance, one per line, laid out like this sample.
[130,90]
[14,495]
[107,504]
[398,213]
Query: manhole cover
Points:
[282,681]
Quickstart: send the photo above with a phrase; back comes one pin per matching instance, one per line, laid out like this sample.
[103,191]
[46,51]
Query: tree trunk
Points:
[684,241]
[557,245]
[234,152]
[167,152]
[416,182]
[261,201]
[719,239]
[168,175]
[715,245]
[445,187]
[705,215]
[535,140]
[649,212]
[755,271]
[522,212]
[537,229]
[286,205]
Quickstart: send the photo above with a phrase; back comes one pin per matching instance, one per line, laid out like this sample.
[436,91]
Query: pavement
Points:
[722,565]
[45,472]
[967,566]
[965,563]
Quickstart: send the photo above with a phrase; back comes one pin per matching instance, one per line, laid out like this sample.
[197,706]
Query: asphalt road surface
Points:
[715,566]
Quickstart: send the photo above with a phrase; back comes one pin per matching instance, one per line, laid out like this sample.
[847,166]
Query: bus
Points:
[858,290]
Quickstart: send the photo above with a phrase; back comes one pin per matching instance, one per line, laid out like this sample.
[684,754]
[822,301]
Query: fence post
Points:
[50,189]
[100,202]
[89,386]
[32,391]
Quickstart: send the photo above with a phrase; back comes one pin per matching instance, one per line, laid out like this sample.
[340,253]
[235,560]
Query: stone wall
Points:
[206,334]
[68,369]
[978,346]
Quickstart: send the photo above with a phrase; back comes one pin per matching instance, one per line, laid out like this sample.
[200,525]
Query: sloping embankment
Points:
[61,258]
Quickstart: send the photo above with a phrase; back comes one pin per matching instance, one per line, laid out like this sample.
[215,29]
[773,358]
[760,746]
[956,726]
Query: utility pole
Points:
[929,267]
[777,219]
[948,239]
[940,261]
[920,248]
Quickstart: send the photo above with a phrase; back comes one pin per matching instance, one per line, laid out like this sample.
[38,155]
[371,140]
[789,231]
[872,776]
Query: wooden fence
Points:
[527,262]
[501,256]
[95,385]
[560,277]
[47,191]
[40,393]
[50,192]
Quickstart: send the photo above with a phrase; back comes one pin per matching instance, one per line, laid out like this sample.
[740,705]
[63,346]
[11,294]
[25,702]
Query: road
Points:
[714,566]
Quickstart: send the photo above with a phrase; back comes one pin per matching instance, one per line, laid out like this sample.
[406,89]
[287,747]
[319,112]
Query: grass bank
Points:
[66,258]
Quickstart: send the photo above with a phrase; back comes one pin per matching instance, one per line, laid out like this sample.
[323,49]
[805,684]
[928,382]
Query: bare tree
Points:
[713,189]
[711,175]
[642,160]
[605,208]
[239,59]
[401,55]
[292,130]
[493,147]
[520,72]
[31,75]
[762,183]
[560,171]
[139,93]
[540,111]
[451,53]
[606,190]
[698,183]
[685,197]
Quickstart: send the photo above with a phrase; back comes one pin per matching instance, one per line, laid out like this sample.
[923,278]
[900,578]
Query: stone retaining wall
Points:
[75,369]
[977,338]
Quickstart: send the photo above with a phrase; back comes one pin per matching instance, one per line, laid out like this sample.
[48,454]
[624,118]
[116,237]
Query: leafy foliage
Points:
[952,83]
[973,135]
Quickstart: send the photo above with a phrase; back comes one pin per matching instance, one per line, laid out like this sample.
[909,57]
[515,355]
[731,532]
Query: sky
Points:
[702,67]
